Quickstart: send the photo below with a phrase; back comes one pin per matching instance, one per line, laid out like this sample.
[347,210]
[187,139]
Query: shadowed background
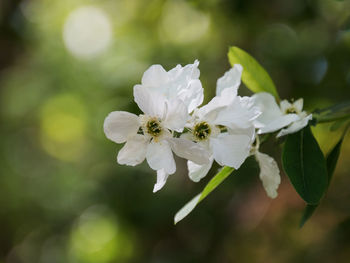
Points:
[65,64]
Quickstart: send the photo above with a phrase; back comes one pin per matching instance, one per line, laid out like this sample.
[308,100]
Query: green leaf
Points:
[333,155]
[184,211]
[336,112]
[332,159]
[213,183]
[338,124]
[254,76]
[308,212]
[305,165]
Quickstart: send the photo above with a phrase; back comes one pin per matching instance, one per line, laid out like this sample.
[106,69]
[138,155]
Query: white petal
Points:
[193,69]
[285,105]
[269,108]
[150,102]
[250,132]
[239,114]
[162,176]
[159,156]
[230,150]
[189,150]
[196,171]
[231,79]
[183,212]
[279,123]
[298,105]
[185,85]
[119,125]
[269,173]
[180,83]
[155,77]
[187,72]
[134,151]
[295,126]
[193,95]
[210,111]
[176,116]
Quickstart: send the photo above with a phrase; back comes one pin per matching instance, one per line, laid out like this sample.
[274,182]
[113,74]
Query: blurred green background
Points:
[65,64]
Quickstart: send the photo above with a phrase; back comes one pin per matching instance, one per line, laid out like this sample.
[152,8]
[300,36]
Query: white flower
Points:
[274,117]
[180,83]
[149,136]
[224,127]
[269,173]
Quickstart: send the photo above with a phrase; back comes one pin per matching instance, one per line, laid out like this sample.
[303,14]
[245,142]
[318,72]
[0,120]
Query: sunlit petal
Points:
[231,79]
[150,102]
[159,156]
[298,105]
[196,171]
[279,123]
[134,151]
[295,126]
[230,150]
[269,108]
[176,116]
[155,77]
[211,110]
[162,176]
[189,150]
[185,85]
[119,125]
[237,115]
[285,105]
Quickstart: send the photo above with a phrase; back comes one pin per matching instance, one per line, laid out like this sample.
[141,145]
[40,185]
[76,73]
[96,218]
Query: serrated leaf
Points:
[305,165]
[213,183]
[254,76]
[332,159]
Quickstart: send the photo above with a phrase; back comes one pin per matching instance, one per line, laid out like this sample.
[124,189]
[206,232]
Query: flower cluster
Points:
[226,129]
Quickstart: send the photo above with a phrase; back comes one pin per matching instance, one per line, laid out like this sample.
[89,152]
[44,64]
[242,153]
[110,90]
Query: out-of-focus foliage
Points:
[254,75]
[65,64]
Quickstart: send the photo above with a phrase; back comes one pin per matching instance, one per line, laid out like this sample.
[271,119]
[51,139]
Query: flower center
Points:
[291,110]
[153,127]
[202,130]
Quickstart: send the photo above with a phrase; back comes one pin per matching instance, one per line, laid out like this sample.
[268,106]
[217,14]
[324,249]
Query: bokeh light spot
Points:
[98,238]
[182,23]
[63,128]
[87,32]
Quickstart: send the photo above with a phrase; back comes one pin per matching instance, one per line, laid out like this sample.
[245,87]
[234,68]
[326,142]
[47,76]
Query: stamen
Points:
[291,110]
[222,128]
[202,131]
[153,127]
